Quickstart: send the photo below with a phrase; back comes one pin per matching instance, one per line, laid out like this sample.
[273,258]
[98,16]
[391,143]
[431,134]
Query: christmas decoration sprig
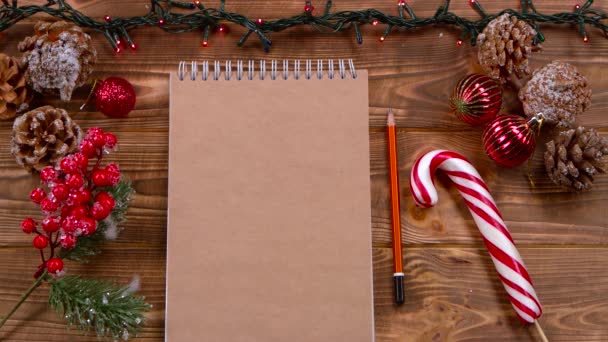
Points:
[163,15]
[83,204]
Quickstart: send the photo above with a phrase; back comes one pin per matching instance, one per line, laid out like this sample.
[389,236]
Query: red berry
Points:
[88,226]
[49,205]
[40,242]
[50,224]
[54,265]
[75,181]
[111,140]
[37,195]
[28,225]
[61,192]
[68,165]
[66,210]
[102,178]
[87,148]
[98,139]
[68,225]
[48,174]
[105,199]
[67,241]
[94,131]
[79,211]
[99,212]
[81,160]
[84,196]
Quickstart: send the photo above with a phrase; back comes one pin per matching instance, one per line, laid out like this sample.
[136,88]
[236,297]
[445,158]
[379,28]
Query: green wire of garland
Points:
[161,15]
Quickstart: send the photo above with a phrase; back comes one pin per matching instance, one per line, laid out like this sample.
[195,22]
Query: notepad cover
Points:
[269,229]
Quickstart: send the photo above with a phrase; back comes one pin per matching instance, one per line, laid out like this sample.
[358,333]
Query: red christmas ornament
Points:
[54,265]
[476,99]
[114,97]
[509,139]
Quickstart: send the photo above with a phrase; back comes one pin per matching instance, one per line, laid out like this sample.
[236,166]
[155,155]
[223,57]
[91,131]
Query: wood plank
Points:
[452,294]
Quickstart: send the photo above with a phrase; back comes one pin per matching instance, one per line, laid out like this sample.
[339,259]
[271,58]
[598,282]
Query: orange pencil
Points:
[395,208]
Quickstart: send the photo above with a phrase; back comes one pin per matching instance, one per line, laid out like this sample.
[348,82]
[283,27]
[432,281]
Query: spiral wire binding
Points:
[191,71]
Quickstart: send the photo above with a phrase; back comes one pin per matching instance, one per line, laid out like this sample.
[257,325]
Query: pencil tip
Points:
[391,118]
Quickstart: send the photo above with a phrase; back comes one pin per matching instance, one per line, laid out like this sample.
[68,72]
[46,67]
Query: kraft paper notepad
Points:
[269,229]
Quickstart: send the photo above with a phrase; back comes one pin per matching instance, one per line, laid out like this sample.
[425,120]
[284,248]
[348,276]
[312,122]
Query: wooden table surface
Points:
[453,292]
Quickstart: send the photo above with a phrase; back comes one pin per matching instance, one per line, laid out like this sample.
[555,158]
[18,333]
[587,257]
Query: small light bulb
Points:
[401,3]
[586,39]
[382,38]
[133,46]
[117,50]
[472,2]
[205,43]
[197,2]
[107,18]
[459,42]
[577,7]
[375,22]
[118,42]
[260,21]
[161,22]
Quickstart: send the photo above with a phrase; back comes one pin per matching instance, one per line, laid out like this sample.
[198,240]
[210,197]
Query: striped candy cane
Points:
[496,236]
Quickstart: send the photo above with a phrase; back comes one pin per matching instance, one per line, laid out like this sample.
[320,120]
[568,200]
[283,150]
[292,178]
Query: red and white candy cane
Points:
[496,236]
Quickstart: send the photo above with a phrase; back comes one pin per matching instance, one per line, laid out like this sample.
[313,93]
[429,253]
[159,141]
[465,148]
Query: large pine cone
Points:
[504,46]
[14,95]
[59,57]
[43,136]
[575,156]
[558,91]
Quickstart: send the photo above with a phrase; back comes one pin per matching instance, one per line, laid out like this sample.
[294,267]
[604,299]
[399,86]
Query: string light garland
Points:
[206,20]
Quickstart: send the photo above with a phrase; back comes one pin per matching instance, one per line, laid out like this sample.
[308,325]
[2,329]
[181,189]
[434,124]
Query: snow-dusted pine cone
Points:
[575,156]
[558,91]
[504,46]
[14,95]
[59,58]
[43,136]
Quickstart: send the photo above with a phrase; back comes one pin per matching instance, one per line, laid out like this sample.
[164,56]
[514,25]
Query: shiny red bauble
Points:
[115,97]
[509,139]
[476,99]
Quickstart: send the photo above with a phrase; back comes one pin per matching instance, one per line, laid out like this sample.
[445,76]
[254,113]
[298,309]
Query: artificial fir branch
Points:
[92,304]
[162,15]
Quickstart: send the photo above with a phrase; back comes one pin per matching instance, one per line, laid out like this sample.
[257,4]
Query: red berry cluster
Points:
[74,200]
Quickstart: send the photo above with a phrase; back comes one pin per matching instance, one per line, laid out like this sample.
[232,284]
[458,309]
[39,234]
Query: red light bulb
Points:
[205,43]
[117,50]
[401,3]
[133,46]
[107,18]
[260,21]
[309,8]
[585,39]
[382,39]
[196,2]
[375,22]
[459,42]
[161,22]
[577,7]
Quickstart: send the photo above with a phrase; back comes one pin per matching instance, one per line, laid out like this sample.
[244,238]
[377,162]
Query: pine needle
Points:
[90,304]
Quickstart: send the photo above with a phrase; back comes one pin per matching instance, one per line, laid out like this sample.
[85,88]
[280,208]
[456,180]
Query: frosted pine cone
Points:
[575,156]
[14,95]
[43,136]
[558,91]
[59,57]
[504,46]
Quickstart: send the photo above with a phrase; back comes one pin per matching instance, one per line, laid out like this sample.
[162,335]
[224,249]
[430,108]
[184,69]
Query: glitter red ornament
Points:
[509,139]
[476,99]
[114,97]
